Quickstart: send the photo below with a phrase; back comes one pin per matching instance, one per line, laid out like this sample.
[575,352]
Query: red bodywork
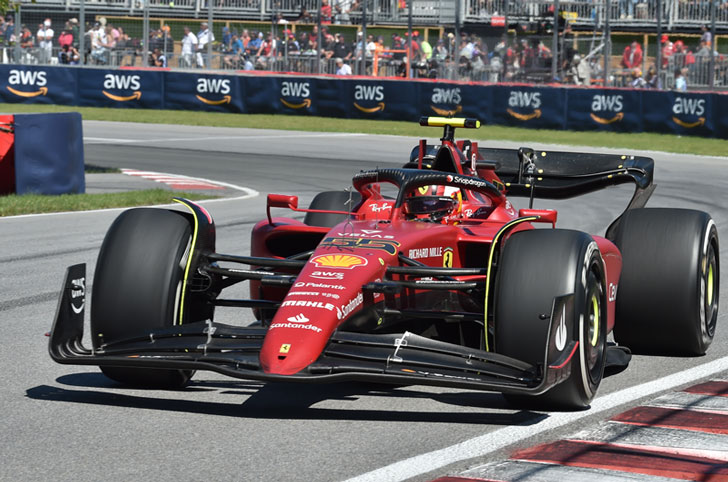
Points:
[328,291]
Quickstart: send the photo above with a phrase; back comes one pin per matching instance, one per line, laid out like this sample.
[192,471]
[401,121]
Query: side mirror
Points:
[280,201]
[546,215]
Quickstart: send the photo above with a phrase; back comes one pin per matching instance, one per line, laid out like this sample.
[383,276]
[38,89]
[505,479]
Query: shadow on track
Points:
[285,401]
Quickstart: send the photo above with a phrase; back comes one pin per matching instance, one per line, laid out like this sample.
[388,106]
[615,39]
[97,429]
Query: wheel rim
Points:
[594,338]
[594,320]
[711,291]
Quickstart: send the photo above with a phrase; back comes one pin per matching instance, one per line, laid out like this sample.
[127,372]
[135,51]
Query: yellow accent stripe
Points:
[493,245]
[710,285]
[595,308]
[189,259]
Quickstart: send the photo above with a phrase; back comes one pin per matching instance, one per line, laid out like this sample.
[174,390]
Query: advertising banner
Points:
[681,113]
[525,106]
[121,88]
[455,100]
[392,100]
[201,91]
[33,84]
[604,109]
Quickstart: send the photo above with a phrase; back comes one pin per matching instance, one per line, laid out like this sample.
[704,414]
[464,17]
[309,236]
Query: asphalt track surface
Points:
[71,423]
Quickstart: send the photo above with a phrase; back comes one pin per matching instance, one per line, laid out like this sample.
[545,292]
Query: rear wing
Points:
[560,175]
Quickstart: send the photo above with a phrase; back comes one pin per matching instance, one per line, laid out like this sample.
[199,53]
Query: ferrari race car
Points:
[420,275]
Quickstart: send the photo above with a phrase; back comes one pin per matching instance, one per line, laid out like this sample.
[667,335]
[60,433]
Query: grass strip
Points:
[642,141]
[14,204]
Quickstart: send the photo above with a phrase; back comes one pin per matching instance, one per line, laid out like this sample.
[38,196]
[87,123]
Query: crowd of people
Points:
[467,57]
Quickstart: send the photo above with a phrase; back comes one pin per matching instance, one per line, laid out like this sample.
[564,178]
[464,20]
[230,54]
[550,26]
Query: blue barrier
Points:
[544,107]
[49,154]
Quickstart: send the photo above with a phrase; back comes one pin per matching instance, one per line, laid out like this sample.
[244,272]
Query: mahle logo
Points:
[607,104]
[690,107]
[208,86]
[28,79]
[366,94]
[449,97]
[291,92]
[524,100]
[122,82]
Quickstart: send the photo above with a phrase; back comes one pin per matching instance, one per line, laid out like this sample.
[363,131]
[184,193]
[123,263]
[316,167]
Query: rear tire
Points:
[537,266]
[138,284]
[667,302]
[332,201]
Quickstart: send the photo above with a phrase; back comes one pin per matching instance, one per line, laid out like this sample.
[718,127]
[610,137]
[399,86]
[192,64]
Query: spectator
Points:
[681,83]
[245,39]
[68,55]
[667,49]
[652,80]
[426,49]
[706,37]
[325,12]
[632,56]
[637,81]
[341,48]
[157,58]
[99,50]
[341,12]
[45,42]
[27,44]
[266,52]
[9,30]
[204,36]
[75,32]
[580,72]
[66,37]
[189,48]
[341,67]
[254,44]
[440,52]
[227,40]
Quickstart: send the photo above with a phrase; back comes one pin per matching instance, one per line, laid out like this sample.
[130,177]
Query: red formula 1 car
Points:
[420,275]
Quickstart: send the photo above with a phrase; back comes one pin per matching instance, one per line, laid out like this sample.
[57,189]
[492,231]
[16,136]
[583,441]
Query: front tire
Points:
[536,267]
[667,302]
[138,286]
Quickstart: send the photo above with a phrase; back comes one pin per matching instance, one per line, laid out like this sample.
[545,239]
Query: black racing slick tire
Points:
[537,266]
[332,201]
[667,301]
[138,284]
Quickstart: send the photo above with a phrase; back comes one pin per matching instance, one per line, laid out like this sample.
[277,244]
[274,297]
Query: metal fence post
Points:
[17,24]
[711,69]
[319,38]
[145,35]
[364,38]
[658,44]
[210,6]
[82,33]
[409,39]
[555,42]
[607,43]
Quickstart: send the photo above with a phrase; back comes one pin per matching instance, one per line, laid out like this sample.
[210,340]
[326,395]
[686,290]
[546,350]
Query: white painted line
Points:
[249,193]
[107,140]
[499,439]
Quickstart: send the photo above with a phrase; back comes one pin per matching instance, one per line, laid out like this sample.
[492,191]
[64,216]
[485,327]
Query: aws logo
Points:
[607,104]
[448,97]
[122,82]
[684,106]
[368,94]
[216,87]
[296,90]
[28,79]
[524,100]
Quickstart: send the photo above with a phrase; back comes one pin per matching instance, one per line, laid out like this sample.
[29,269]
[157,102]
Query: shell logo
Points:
[347,261]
